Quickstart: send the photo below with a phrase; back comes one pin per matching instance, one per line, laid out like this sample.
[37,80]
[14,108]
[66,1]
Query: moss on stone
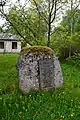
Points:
[37,49]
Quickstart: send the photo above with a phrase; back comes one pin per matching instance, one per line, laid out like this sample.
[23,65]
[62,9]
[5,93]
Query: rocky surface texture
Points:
[29,72]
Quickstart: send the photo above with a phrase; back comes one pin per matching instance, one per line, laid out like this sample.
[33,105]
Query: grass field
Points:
[62,104]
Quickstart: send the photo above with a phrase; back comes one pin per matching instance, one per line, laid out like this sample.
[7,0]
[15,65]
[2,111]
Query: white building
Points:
[9,43]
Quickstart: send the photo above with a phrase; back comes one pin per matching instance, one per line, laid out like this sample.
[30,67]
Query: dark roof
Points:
[8,37]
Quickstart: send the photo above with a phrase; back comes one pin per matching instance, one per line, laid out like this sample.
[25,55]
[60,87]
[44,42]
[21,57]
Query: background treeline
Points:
[35,25]
[63,41]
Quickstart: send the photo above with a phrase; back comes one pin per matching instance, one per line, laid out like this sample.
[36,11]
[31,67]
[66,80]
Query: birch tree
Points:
[48,10]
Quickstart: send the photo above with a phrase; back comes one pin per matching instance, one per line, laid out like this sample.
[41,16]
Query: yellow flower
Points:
[62,116]
[71,115]
[0,98]
[0,89]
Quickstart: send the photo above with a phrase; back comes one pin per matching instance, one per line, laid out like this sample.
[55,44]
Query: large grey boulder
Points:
[38,68]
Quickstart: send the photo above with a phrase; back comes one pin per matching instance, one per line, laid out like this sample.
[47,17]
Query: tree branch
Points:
[55,4]
[39,11]
[14,27]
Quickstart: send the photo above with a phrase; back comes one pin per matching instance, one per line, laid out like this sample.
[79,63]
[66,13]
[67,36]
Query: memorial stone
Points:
[38,68]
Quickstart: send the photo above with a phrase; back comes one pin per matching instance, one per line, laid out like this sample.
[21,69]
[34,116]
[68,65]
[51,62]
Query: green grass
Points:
[62,104]
[8,74]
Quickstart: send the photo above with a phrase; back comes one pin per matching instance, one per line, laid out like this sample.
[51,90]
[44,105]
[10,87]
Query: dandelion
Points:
[29,95]
[72,115]
[62,116]
[0,98]
[23,108]
[26,110]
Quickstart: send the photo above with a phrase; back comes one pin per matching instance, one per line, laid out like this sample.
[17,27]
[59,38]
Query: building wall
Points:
[8,47]
[1,50]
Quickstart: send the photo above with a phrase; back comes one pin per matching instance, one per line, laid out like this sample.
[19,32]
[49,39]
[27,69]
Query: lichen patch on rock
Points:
[37,50]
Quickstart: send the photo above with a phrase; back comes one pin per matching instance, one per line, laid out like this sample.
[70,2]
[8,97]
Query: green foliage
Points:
[27,25]
[63,40]
[61,104]
[8,74]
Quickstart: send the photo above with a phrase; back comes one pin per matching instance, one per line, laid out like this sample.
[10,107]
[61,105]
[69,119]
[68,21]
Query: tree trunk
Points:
[49,30]
[70,51]
[71,29]
[49,25]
